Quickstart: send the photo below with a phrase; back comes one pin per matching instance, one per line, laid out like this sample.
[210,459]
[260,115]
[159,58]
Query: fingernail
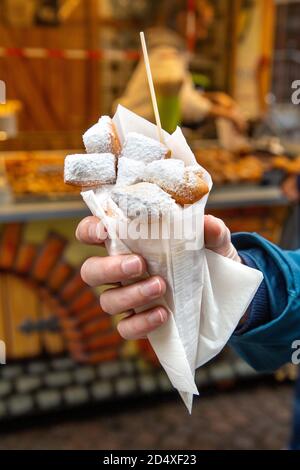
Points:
[101,231]
[151,288]
[92,231]
[97,231]
[131,265]
[157,317]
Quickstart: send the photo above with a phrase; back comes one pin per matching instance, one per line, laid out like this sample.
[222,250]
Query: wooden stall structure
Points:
[60,96]
[63,351]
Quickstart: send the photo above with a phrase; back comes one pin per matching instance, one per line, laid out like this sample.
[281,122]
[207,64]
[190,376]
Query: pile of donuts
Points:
[142,172]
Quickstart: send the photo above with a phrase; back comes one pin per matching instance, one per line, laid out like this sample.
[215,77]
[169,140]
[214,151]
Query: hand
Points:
[115,269]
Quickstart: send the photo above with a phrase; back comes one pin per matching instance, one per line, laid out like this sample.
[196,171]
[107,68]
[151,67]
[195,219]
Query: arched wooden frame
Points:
[38,279]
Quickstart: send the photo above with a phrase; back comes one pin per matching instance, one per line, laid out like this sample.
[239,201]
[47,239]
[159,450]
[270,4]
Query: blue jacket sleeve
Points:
[269,345]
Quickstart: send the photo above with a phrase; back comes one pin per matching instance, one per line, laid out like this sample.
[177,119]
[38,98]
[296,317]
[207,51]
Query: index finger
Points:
[91,231]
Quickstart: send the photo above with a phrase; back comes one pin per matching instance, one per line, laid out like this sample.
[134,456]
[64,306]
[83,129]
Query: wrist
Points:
[258,312]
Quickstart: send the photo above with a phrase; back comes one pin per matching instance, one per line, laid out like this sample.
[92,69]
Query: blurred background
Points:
[70,381]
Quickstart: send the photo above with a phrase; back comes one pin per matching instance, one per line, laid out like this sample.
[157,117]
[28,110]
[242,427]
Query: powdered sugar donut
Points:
[184,184]
[102,137]
[161,172]
[192,189]
[129,171]
[92,169]
[142,148]
[143,200]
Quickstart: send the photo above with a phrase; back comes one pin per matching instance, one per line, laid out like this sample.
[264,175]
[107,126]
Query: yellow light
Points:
[10,107]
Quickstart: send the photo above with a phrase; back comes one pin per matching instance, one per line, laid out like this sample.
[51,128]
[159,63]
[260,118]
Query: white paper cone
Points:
[176,342]
[196,329]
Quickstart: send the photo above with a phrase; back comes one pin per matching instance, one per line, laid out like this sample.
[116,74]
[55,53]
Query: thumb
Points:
[218,238]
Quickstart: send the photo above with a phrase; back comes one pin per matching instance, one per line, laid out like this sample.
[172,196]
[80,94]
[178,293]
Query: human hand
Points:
[123,268]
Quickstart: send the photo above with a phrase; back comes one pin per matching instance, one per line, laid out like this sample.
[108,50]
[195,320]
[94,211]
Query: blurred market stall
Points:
[64,64]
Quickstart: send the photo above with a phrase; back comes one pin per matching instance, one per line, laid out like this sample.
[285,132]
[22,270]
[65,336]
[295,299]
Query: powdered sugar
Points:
[100,137]
[141,148]
[194,169]
[90,169]
[142,160]
[192,176]
[143,200]
[168,173]
[129,171]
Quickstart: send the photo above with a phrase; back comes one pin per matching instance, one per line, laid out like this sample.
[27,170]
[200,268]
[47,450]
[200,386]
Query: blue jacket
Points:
[265,340]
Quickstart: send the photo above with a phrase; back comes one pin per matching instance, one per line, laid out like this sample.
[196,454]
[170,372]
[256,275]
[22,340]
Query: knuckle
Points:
[222,233]
[106,269]
[226,235]
[129,297]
